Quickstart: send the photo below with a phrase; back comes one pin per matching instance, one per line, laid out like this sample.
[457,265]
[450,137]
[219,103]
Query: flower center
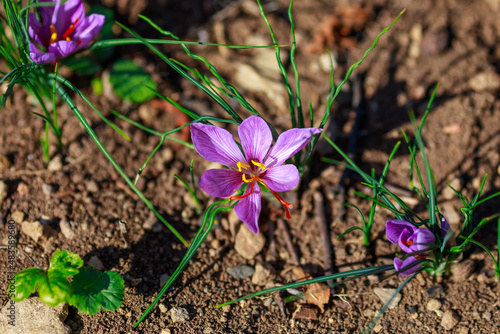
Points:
[54,37]
[255,177]
[409,242]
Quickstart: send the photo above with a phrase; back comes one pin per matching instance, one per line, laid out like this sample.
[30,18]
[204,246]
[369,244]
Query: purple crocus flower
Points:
[400,264]
[411,240]
[259,163]
[63,30]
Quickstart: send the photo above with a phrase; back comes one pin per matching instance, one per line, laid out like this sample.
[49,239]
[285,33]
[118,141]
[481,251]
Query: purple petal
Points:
[88,28]
[40,57]
[405,236]
[216,145]
[288,144]
[393,229]
[62,49]
[255,137]
[423,239]
[248,208]
[220,182]
[66,15]
[281,178]
[445,227]
[400,264]
[38,32]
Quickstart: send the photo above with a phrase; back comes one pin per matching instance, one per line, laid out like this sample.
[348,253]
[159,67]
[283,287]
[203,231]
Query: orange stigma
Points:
[70,30]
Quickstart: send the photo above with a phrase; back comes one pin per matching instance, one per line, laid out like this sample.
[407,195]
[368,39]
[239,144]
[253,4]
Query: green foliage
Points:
[93,290]
[130,81]
[88,291]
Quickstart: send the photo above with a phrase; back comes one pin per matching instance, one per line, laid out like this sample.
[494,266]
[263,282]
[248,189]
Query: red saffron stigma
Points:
[243,196]
[70,30]
[281,200]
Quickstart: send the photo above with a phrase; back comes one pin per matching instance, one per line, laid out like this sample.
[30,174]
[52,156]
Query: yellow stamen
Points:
[241,164]
[243,176]
[259,164]
[53,34]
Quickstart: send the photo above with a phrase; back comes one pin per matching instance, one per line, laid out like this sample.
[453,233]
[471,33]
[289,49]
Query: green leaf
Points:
[66,264]
[52,287]
[93,290]
[25,283]
[131,82]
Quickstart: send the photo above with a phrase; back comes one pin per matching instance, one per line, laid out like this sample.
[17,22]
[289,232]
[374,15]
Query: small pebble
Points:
[4,163]
[22,189]
[47,189]
[95,263]
[434,291]
[248,244]
[450,319]
[164,279]
[163,308]
[386,294]
[91,186]
[55,164]
[241,272]
[433,305]
[179,314]
[67,229]
[18,216]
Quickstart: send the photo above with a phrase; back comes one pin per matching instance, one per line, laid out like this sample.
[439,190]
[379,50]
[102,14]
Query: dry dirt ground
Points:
[451,42]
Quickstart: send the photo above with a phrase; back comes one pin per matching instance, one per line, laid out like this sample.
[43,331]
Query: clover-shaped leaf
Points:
[93,290]
[52,287]
[67,264]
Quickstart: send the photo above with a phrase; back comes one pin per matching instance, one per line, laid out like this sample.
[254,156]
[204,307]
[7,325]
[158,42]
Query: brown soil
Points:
[453,42]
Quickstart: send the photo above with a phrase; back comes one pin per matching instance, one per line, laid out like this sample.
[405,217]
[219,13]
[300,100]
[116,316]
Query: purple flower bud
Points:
[63,30]
[410,238]
[400,264]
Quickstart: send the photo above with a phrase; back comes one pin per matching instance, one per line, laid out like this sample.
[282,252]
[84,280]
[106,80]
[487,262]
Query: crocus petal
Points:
[288,144]
[220,182]
[405,236]
[63,49]
[66,15]
[216,145]
[255,137]
[393,229]
[40,57]
[248,208]
[445,227]
[38,32]
[400,264]
[281,178]
[88,28]
[423,239]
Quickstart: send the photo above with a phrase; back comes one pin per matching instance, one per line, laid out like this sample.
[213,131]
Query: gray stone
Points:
[434,291]
[450,319]
[164,279]
[179,314]
[95,263]
[386,294]
[248,244]
[32,316]
[241,272]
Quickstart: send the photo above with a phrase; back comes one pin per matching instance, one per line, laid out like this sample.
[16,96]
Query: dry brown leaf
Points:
[338,29]
[317,293]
